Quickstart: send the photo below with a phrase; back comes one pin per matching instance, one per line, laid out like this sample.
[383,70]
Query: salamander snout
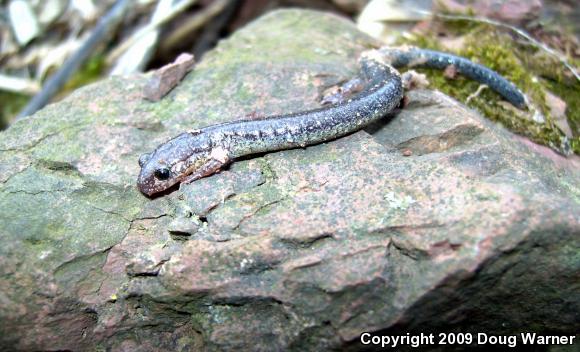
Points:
[187,157]
[155,177]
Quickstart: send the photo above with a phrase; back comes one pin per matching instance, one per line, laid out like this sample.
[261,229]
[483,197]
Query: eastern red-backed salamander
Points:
[195,154]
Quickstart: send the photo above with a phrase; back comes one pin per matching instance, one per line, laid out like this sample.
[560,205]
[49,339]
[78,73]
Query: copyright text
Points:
[422,339]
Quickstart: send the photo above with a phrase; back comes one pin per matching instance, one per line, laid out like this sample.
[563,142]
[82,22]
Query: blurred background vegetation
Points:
[50,47]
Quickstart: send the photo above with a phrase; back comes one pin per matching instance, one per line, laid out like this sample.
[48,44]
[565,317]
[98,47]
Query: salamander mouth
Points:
[150,189]
[145,187]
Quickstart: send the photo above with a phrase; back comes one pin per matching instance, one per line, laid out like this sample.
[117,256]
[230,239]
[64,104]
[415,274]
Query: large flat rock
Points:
[305,249]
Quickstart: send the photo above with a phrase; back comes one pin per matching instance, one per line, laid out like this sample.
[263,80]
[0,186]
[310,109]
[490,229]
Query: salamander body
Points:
[195,154]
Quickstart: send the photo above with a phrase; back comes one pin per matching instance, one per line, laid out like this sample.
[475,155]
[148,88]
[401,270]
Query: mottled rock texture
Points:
[433,220]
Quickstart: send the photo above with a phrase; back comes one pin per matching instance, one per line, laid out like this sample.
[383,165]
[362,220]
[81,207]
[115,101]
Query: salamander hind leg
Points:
[343,92]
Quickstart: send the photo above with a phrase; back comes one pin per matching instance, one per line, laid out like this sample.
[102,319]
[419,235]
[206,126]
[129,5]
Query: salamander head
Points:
[173,161]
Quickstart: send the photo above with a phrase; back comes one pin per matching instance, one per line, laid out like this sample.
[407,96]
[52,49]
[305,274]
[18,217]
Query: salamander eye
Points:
[162,174]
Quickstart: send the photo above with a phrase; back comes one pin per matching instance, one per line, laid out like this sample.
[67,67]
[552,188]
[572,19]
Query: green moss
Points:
[11,104]
[90,72]
[267,171]
[460,26]
[570,93]
[496,50]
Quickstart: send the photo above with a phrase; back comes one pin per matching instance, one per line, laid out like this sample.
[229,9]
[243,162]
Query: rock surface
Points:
[433,220]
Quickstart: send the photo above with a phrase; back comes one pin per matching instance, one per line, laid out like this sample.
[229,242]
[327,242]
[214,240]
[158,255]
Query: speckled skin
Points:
[199,153]
[415,57]
[382,95]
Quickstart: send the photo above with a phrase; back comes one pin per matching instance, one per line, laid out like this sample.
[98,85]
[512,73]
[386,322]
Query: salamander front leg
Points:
[209,168]
[218,159]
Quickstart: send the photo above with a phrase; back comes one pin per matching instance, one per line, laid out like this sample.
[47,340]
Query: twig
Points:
[136,57]
[476,93]
[71,65]
[194,23]
[518,31]
[151,26]
[18,85]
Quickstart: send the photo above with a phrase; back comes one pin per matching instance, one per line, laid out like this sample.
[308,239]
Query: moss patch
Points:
[90,72]
[11,104]
[497,50]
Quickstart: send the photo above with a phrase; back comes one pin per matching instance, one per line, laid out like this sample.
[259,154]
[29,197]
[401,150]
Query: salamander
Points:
[199,153]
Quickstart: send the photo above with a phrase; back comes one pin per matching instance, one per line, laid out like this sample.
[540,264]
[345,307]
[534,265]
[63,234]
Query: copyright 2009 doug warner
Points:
[423,339]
